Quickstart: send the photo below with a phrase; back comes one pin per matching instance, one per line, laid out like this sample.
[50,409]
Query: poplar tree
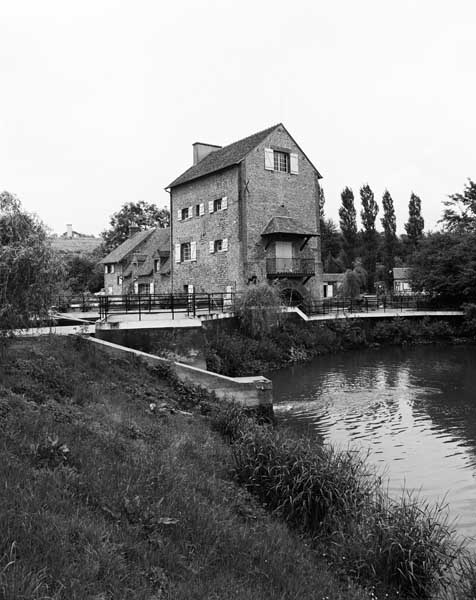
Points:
[368,214]
[348,226]
[415,225]
[389,224]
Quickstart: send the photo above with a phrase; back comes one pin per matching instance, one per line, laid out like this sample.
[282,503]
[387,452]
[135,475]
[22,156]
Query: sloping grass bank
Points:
[110,490]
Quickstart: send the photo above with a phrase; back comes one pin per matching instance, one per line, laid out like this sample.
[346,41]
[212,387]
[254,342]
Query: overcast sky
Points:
[101,100]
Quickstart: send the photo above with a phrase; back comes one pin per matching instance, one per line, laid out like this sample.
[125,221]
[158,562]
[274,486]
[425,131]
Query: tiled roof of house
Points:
[224,157]
[127,247]
[401,273]
[78,245]
[283,224]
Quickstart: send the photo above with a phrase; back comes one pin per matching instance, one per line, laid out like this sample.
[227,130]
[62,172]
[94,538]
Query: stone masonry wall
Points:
[210,272]
[267,191]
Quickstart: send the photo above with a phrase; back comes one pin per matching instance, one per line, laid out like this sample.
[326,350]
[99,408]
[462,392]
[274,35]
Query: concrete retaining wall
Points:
[250,392]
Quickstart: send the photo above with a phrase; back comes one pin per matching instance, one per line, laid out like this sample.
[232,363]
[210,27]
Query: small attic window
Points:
[281,161]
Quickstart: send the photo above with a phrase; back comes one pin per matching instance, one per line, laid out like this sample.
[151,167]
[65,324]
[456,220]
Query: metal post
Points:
[172,305]
[140,316]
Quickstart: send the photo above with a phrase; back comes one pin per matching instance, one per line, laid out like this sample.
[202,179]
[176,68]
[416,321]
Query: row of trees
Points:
[441,263]
[377,253]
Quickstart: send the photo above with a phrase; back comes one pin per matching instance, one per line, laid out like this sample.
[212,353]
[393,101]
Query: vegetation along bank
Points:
[120,482]
[251,350]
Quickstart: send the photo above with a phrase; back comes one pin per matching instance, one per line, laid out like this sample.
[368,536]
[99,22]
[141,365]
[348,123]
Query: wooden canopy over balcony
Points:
[284,227]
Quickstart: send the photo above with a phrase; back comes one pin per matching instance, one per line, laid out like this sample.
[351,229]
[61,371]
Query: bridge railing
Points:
[368,304]
[190,305]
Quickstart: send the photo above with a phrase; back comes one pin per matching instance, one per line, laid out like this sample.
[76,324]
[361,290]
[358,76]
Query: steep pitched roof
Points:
[224,157]
[283,224]
[127,247]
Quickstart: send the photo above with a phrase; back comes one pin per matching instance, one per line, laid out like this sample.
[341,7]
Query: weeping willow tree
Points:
[29,269]
[259,309]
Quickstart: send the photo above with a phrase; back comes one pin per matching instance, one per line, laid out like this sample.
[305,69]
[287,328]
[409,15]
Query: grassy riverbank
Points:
[104,498]
[236,353]
[118,482]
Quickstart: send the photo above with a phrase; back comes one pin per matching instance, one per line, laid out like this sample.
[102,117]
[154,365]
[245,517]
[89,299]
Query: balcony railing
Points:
[290,267]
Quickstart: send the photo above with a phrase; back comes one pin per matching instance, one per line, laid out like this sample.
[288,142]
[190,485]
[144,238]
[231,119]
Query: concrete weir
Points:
[250,392]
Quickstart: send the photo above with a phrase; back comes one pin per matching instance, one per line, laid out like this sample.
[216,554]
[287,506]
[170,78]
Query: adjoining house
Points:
[401,281]
[74,243]
[331,282]
[245,213]
[141,264]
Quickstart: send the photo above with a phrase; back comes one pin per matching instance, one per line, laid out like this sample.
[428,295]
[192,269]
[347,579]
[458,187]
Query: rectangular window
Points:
[185,252]
[184,213]
[119,280]
[109,268]
[217,204]
[197,210]
[281,161]
[157,265]
[218,246]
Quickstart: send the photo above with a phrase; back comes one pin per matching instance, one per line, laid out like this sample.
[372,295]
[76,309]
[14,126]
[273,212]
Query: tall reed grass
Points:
[404,545]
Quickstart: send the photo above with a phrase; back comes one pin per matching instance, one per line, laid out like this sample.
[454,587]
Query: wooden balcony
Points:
[290,267]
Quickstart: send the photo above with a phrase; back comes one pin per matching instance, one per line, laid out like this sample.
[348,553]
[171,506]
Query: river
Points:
[412,409]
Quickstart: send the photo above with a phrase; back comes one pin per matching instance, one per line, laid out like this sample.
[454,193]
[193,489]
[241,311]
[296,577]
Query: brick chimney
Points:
[133,229]
[201,150]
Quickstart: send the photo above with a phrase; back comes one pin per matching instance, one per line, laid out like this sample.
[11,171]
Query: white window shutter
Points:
[193,250]
[112,269]
[151,287]
[294,163]
[177,253]
[202,209]
[224,244]
[190,289]
[269,159]
[106,268]
[179,214]
[224,202]
[211,247]
[136,287]
[190,212]
[210,206]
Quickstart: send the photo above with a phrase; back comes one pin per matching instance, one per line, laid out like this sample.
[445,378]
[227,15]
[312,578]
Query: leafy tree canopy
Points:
[348,224]
[460,212]
[29,268]
[331,239]
[445,264]
[133,214]
[369,211]
[389,247]
[415,225]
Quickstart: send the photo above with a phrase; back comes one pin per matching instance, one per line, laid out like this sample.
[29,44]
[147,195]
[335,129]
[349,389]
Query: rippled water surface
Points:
[413,409]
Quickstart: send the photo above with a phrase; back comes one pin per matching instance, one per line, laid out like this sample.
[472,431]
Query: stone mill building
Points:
[245,213]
